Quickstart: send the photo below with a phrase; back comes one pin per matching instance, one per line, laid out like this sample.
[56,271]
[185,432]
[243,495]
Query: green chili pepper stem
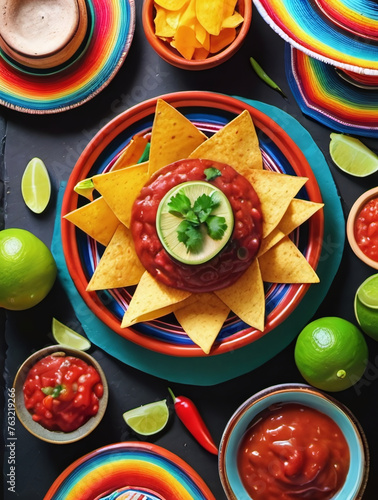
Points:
[264,77]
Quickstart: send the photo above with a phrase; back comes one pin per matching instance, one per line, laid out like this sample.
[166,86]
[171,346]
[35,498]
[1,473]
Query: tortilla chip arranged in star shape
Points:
[201,315]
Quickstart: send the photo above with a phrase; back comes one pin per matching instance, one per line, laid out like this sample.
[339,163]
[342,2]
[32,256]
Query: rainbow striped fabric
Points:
[111,25]
[343,33]
[330,97]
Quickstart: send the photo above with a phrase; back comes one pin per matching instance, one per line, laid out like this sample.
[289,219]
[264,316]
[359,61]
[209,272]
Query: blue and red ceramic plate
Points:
[209,111]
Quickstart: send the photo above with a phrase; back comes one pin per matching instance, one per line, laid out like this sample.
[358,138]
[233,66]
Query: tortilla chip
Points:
[132,153]
[275,192]
[119,265]
[284,263]
[272,239]
[203,320]
[246,297]
[121,187]
[297,213]
[173,137]
[235,144]
[151,300]
[185,41]
[96,219]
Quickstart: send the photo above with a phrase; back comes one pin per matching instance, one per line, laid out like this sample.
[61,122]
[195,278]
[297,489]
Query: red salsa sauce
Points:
[62,392]
[366,229]
[292,451]
[231,262]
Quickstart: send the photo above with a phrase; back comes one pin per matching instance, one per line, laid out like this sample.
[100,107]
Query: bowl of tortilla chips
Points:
[199,34]
[100,251]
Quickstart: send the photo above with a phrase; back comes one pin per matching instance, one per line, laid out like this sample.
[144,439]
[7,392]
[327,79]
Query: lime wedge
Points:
[36,186]
[85,188]
[167,223]
[368,292]
[352,156]
[148,419]
[67,337]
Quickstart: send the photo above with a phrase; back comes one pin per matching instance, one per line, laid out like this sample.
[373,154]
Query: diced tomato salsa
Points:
[293,451]
[62,392]
[227,266]
[366,229]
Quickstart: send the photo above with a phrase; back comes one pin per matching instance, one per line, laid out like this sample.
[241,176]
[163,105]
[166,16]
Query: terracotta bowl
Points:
[353,214]
[40,33]
[170,55]
[238,424]
[25,417]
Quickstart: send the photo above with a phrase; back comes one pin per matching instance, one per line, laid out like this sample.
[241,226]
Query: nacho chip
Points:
[121,187]
[275,192]
[284,263]
[96,219]
[119,265]
[173,137]
[151,300]
[246,297]
[235,144]
[132,153]
[203,320]
[269,241]
[297,213]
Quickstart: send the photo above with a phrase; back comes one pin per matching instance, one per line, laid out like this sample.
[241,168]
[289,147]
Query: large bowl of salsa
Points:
[293,441]
[61,394]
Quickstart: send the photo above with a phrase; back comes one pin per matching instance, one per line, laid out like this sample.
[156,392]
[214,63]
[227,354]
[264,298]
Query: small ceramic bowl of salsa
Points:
[362,227]
[61,394]
[293,439]
[164,49]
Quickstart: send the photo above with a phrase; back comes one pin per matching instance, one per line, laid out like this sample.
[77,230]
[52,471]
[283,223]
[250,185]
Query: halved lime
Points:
[167,224]
[36,186]
[352,156]
[368,292]
[67,337]
[367,318]
[85,188]
[148,419]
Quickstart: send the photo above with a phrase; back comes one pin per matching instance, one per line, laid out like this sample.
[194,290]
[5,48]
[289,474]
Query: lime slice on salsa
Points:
[67,337]
[148,419]
[352,156]
[36,186]
[178,230]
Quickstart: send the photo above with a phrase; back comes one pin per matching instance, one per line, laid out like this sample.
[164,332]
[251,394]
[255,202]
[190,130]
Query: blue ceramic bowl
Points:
[356,480]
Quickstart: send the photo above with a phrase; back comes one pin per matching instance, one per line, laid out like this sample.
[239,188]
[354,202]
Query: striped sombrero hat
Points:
[341,100]
[343,33]
[111,25]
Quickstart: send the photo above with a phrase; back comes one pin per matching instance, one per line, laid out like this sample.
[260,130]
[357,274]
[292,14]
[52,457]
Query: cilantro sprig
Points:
[197,219]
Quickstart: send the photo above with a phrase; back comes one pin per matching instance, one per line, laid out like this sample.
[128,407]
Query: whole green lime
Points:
[27,269]
[331,354]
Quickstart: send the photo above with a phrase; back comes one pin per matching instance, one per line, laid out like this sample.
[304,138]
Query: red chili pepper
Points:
[190,417]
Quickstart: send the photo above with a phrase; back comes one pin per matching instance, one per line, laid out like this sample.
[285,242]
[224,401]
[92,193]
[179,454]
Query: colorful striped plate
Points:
[130,470]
